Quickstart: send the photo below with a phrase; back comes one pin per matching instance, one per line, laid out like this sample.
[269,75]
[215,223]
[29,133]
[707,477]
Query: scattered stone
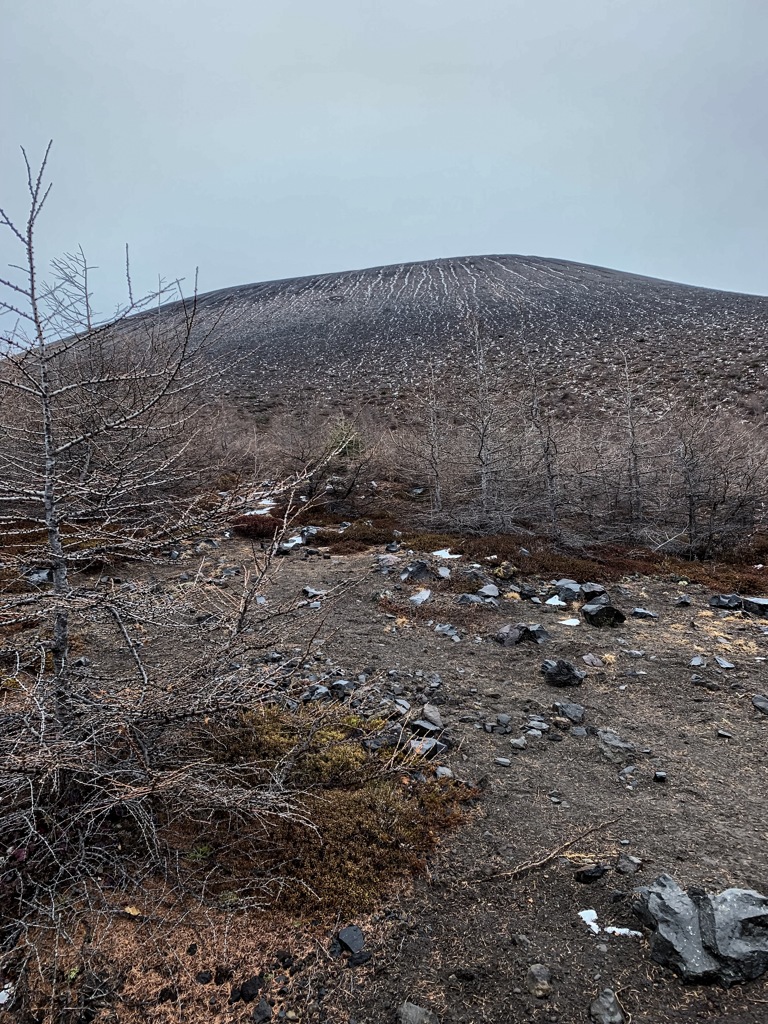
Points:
[573,712]
[511,635]
[626,864]
[352,938]
[420,597]
[593,661]
[579,732]
[444,572]
[430,713]
[444,773]
[643,613]
[683,601]
[660,777]
[263,1012]
[424,727]
[591,591]
[446,629]
[613,746]
[562,673]
[723,662]
[410,1013]
[760,702]
[704,937]
[311,592]
[756,605]
[503,761]
[591,873]
[602,614]
[520,743]
[569,591]
[724,734]
[426,747]
[606,1009]
[489,590]
[469,599]
[539,981]
[697,662]
[251,988]
[418,570]
[732,602]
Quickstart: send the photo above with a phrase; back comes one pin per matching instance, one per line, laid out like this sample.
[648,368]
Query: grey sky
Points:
[264,140]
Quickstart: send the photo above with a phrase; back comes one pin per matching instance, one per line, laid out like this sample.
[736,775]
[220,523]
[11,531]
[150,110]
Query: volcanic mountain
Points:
[581,325]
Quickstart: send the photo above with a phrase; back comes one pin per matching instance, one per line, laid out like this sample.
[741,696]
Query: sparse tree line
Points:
[494,452]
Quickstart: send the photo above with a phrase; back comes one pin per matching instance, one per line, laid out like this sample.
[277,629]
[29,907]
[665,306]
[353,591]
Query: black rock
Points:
[591,873]
[705,937]
[760,701]
[573,712]
[730,601]
[204,977]
[262,1012]
[539,981]
[167,994]
[469,599]
[643,613]
[352,938]
[683,601]
[425,728]
[511,635]
[418,570]
[250,989]
[562,673]
[606,1009]
[410,1013]
[592,591]
[600,615]
[613,746]
[756,605]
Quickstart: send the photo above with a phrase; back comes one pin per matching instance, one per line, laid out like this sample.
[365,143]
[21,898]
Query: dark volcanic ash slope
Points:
[379,326]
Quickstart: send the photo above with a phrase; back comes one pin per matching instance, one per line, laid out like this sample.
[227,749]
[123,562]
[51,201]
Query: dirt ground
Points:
[460,940]
[500,893]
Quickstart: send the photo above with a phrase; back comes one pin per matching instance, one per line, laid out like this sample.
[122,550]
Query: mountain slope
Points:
[578,321]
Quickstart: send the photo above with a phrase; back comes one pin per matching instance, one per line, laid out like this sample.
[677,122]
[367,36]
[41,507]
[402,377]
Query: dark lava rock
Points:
[410,1013]
[573,712]
[760,701]
[591,591]
[204,977]
[626,864]
[424,727]
[418,570]
[605,1009]
[613,746]
[250,989]
[167,994]
[705,937]
[591,873]
[562,673]
[643,613]
[426,747]
[508,636]
[730,601]
[756,605]
[469,599]
[539,981]
[568,590]
[352,938]
[602,614]
[683,601]
[263,1012]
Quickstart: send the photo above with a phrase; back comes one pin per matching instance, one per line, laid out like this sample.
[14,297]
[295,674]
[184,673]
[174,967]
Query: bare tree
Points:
[97,418]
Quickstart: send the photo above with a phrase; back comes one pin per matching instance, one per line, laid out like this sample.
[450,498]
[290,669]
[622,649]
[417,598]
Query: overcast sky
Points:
[266,140]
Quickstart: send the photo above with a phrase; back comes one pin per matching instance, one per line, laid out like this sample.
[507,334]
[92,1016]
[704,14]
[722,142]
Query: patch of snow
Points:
[444,553]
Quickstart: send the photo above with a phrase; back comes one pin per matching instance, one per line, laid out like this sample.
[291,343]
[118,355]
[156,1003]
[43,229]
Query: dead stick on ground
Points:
[535,865]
